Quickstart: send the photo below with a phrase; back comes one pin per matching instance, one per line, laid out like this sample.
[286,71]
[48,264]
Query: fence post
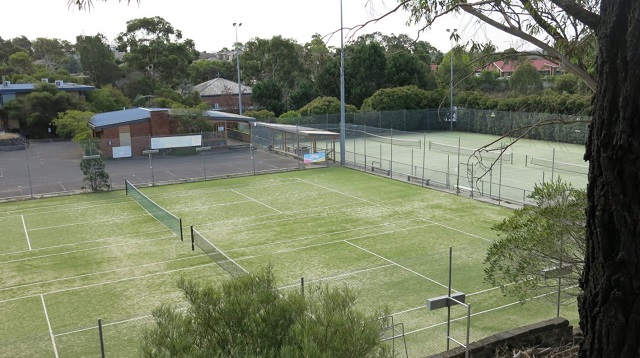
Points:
[101,338]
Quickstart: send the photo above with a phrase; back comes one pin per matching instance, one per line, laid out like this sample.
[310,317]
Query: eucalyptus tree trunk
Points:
[610,304]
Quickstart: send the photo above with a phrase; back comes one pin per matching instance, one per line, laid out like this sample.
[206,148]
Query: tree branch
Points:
[590,19]
[566,63]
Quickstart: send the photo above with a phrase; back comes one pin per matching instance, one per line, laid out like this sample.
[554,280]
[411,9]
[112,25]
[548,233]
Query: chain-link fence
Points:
[413,145]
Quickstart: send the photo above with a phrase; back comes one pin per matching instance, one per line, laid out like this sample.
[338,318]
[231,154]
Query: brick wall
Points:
[159,124]
[550,333]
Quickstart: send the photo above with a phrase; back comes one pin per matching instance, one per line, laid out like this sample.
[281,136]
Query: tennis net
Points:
[567,167]
[447,148]
[219,257]
[416,143]
[162,215]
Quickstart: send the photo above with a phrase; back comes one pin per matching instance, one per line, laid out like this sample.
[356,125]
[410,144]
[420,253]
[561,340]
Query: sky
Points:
[210,22]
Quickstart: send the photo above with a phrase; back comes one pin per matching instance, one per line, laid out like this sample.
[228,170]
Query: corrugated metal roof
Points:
[126,116]
[219,87]
[228,116]
[289,128]
[134,115]
[29,87]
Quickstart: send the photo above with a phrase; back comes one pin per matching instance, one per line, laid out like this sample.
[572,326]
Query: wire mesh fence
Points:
[413,145]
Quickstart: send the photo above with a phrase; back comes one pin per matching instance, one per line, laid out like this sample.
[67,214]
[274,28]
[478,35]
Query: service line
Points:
[24,225]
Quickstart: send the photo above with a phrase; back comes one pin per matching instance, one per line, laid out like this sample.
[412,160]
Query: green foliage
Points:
[156,49]
[408,97]
[191,121]
[21,63]
[107,98]
[40,107]
[73,124]
[538,238]
[325,105]
[205,70]
[94,171]
[566,83]
[462,70]
[268,94]
[97,59]
[261,114]
[290,117]
[405,69]
[365,71]
[526,80]
[249,317]
[488,81]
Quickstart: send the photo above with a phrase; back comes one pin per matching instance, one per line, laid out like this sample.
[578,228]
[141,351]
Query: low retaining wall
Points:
[550,333]
[8,143]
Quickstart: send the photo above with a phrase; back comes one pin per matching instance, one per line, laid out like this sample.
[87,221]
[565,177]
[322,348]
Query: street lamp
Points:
[342,103]
[236,25]
[453,31]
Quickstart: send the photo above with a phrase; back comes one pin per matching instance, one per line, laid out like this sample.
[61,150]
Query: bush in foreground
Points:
[249,317]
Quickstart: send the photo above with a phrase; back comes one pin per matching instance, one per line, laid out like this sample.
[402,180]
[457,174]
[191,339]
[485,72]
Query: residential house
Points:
[222,94]
[505,69]
[10,91]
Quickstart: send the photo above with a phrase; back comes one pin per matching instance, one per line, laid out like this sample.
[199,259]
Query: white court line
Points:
[66,207]
[397,264]
[284,251]
[458,230]
[114,219]
[316,236]
[24,225]
[261,203]
[53,338]
[350,273]
[90,241]
[75,251]
[108,282]
[339,192]
[98,273]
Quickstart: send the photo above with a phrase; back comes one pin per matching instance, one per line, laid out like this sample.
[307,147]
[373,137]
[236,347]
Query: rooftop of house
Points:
[135,115]
[220,86]
[8,87]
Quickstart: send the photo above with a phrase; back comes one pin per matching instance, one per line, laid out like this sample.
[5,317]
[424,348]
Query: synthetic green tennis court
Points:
[69,261]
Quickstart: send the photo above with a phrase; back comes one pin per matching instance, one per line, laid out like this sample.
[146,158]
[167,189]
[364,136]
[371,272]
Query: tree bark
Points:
[610,304]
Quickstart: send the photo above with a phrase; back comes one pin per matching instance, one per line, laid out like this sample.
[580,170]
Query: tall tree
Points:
[364,70]
[156,49]
[50,52]
[97,59]
[610,304]
[21,63]
[404,69]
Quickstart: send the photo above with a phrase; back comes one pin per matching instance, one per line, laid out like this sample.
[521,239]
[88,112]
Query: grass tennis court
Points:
[69,261]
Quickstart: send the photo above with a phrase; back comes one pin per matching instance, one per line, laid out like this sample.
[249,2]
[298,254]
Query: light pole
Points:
[236,25]
[453,31]
[342,104]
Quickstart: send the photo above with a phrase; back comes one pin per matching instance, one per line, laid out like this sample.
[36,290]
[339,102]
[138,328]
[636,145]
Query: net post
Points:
[181,235]
[126,188]
[302,286]
[193,241]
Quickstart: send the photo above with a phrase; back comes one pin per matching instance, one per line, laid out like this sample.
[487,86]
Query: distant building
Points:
[10,91]
[506,69]
[222,94]
[127,133]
